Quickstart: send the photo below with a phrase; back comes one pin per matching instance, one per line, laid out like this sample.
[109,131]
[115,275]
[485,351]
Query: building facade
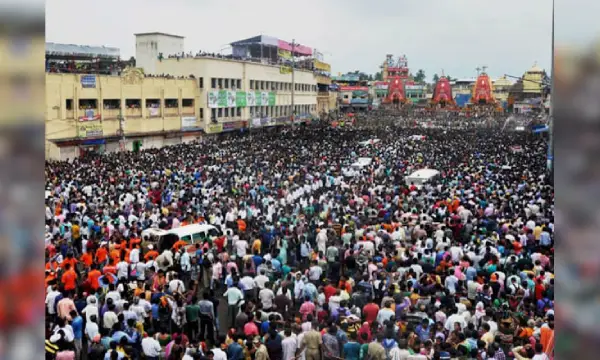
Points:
[234,91]
[94,112]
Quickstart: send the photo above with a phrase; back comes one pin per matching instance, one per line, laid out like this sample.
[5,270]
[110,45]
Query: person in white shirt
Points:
[219,354]
[91,328]
[151,347]
[122,269]
[134,255]
[176,285]
[266,297]
[235,299]
[241,247]
[51,300]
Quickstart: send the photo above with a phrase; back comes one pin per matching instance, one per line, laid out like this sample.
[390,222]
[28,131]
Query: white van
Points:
[191,234]
[420,177]
[362,162]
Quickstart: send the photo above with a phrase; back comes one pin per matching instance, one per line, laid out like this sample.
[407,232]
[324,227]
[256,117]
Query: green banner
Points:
[271,99]
[240,99]
[229,98]
[222,98]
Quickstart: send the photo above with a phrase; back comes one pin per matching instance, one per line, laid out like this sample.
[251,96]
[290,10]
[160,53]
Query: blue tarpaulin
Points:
[462,99]
[539,129]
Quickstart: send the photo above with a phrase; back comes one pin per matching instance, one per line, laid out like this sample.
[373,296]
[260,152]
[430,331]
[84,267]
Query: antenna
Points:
[484,68]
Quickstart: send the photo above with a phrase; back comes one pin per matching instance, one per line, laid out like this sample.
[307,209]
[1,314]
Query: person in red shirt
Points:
[329,291]
[179,244]
[539,289]
[220,243]
[370,312]
[69,278]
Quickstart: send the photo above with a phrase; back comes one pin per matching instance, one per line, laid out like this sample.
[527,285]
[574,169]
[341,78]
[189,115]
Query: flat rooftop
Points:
[159,33]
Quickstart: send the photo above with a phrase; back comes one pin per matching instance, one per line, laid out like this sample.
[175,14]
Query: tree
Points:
[378,76]
[420,76]
[436,78]
[132,61]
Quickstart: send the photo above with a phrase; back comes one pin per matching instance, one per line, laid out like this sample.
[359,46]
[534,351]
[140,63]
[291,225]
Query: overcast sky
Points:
[507,36]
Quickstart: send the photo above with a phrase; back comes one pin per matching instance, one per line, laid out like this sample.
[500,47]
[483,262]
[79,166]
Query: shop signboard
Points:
[214,128]
[88,129]
[256,122]
[188,122]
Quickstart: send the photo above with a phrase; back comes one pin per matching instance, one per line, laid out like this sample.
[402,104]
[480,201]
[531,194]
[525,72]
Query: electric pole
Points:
[293,80]
[121,131]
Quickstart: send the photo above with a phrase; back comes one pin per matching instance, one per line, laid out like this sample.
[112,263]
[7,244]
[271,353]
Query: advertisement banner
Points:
[354,88]
[213,128]
[264,98]
[271,99]
[251,98]
[322,66]
[88,81]
[231,98]
[284,54]
[285,69]
[240,99]
[188,122]
[256,122]
[233,125]
[153,111]
[89,129]
[90,115]
[213,99]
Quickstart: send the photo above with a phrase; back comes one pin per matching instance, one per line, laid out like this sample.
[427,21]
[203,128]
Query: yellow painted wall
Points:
[61,123]
[531,82]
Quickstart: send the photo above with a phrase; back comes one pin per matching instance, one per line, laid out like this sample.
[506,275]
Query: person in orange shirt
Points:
[69,278]
[50,276]
[101,254]
[178,244]
[69,260]
[133,242]
[51,265]
[94,276]
[87,259]
[547,337]
[115,254]
[110,268]
[241,225]
[151,254]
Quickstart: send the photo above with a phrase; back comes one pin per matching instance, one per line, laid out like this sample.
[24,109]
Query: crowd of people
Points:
[306,262]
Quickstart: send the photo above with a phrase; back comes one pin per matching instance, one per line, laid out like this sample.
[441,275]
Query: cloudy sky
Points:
[507,36]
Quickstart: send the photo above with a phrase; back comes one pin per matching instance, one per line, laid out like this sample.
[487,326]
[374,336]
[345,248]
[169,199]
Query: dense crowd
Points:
[310,261]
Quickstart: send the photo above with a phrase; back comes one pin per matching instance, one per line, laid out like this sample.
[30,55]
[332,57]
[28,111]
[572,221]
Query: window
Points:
[251,84]
[213,83]
[108,104]
[238,84]
[151,103]
[171,103]
[133,103]
[69,104]
[220,83]
[213,114]
[88,104]
[238,112]
[187,239]
[198,237]
[220,113]
[226,86]
[201,113]
[201,83]
[226,111]
[187,102]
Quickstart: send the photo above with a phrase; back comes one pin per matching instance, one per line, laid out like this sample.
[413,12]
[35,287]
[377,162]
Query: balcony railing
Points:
[110,113]
[323,94]
[172,111]
[133,112]
[187,111]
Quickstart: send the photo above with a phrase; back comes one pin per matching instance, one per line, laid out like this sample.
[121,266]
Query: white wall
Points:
[147,48]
